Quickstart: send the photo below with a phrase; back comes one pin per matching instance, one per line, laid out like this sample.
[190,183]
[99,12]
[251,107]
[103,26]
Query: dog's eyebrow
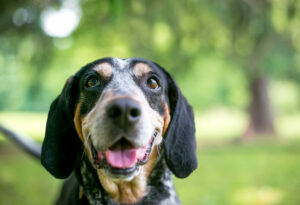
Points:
[104,69]
[139,69]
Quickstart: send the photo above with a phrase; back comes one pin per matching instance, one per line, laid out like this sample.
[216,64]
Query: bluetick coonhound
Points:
[117,132]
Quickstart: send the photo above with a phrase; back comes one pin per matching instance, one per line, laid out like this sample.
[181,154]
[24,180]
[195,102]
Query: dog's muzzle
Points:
[124,157]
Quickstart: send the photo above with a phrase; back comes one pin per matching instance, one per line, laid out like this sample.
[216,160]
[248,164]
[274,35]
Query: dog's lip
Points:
[119,171]
[100,160]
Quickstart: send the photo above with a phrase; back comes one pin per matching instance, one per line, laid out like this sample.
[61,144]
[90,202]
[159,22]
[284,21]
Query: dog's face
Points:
[120,111]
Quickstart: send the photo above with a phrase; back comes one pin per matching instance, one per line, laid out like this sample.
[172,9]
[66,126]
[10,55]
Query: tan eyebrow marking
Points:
[104,69]
[140,69]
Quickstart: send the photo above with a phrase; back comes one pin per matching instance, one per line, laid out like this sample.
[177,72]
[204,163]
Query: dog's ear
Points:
[180,141]
[61,144]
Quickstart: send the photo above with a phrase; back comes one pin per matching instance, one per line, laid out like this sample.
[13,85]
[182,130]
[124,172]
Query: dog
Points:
[117,132]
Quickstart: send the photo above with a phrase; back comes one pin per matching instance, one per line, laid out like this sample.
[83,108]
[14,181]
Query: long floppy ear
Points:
[180,141]
[61,144]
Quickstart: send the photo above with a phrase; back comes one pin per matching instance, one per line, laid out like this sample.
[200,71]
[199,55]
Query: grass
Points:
[23,180]
[256,173]
[250,174]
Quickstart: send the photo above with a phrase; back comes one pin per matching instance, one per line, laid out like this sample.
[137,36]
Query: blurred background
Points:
[236,61]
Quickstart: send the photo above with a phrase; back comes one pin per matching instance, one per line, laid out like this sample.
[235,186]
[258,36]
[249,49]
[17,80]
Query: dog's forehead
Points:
[136,66]
[121,64]
[122,72]
[124,65]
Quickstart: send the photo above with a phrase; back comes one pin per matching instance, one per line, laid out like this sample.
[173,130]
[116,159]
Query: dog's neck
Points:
[159,188]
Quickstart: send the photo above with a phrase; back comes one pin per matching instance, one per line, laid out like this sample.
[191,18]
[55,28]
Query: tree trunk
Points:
[261,116]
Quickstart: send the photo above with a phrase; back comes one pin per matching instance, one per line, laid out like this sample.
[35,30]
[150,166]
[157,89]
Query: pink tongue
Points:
[121,158]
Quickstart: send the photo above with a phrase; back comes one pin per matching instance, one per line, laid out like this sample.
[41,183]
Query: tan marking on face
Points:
[151,161]
[130,192]
[78,126]
[167,119]
[78,122]
[104,69]
[141,69]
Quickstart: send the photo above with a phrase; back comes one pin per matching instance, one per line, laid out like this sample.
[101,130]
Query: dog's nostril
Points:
[133,115]
[134,112]
[114,112]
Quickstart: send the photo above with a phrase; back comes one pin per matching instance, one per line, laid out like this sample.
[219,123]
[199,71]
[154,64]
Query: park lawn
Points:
[256,173]
[259,173]
[23,180]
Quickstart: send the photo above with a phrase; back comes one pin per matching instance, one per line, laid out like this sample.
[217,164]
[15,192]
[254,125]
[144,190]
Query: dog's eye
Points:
[92,82]
[153,83]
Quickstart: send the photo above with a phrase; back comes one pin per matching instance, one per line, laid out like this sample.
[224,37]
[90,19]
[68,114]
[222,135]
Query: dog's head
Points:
[120,111]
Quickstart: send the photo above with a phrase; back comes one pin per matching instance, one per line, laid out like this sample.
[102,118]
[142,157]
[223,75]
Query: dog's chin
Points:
[126,174]
[122,161]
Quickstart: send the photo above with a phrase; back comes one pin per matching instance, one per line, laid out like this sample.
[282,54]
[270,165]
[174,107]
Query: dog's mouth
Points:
[122,158]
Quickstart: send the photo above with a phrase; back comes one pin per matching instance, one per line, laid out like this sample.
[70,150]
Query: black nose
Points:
[124,112]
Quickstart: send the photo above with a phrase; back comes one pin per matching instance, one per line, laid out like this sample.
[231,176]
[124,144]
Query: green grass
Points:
[23,180]
[257,173]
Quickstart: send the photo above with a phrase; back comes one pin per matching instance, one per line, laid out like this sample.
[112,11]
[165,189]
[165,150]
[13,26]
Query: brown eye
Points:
[92,82]
[152,83]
